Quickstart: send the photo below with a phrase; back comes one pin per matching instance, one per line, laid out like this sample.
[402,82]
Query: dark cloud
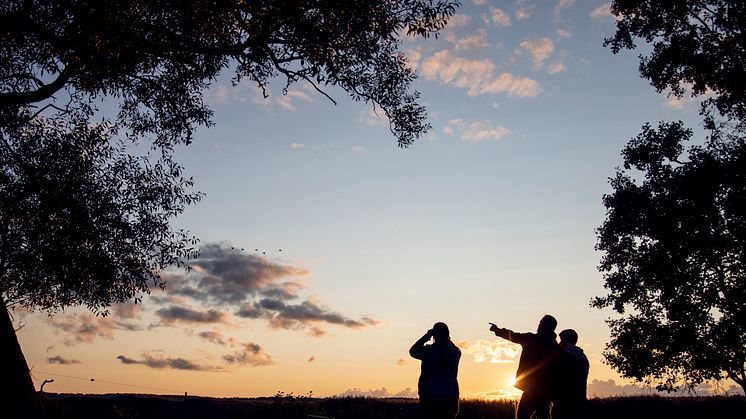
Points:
[128,310]
[222,274]
[307,312]
[174,314]
[250,354]
[249,311]
[213,337]
[311,359]
[166,363]
[85,327]
[62,361]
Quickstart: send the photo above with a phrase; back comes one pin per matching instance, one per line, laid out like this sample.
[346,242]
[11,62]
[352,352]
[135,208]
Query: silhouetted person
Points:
[535,368]
[571,378]
[438,384]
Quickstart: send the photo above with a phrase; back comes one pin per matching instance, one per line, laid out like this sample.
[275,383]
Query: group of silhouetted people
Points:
[552,375]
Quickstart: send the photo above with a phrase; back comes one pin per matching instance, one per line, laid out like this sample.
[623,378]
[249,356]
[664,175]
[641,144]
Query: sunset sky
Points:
[327,251]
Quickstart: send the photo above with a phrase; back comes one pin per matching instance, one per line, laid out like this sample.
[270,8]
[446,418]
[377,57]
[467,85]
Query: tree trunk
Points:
[18,398]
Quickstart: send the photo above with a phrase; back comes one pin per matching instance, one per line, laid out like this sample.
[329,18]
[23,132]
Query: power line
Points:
[105,382]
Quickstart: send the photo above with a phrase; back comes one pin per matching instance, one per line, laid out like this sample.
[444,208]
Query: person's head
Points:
[568,337]
[547,324]
[440,332]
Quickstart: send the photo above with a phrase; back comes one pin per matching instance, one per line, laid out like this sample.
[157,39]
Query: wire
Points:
[105,382]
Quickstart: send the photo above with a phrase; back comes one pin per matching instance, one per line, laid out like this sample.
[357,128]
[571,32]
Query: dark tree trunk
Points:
[18,397]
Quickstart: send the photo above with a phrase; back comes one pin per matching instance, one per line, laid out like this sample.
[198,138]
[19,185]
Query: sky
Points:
[327,251]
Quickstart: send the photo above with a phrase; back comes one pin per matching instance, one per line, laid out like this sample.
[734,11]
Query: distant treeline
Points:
[288,406]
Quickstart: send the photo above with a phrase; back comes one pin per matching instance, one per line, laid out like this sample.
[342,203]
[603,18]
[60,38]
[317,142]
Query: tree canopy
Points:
[674,243]
[674,237]
[696,44]
[157,56]
[85,219]
[86,196]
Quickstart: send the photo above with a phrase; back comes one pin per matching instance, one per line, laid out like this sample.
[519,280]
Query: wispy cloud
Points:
[603,12]
[556,68]
[539,49]
[473,42]
[524,10]
[250,354]
[476,131]
[165,362]
[297,146]
[213,337]
[498,17]
[57,359]
[85,327]
[458,20]
[561,5]
[477,76]
[290,99]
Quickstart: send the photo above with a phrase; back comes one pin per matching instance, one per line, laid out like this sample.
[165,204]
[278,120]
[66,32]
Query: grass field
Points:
[284,406]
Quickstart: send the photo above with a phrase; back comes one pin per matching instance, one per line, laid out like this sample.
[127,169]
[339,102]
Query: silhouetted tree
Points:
[674,243]
[83,211]
[695,43]
[674,238]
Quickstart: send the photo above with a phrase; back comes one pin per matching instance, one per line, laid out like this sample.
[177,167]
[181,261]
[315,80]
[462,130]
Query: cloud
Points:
[458,20]
[85,327]
[498,17]
[524,10]
[480,2]
[373,117]
[297,146]
[477,76]
[289,99]
[472,42]
[475,132]
[251,354]
[602,12]
[62,361]
[378,393]
[222,274]
[311,359]
[178,314]
[294,316]
[482,131]
[128,310]
[563,33]
[556,68]
[160,362]
[212,337]
[402,362]
[493,352]
[562,4]
[539,49]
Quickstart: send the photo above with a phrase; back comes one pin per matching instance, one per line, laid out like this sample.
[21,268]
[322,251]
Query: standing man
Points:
[535,370]
[572,377]
[438,385]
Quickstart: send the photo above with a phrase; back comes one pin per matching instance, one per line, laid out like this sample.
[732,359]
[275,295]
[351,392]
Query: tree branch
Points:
[44,92]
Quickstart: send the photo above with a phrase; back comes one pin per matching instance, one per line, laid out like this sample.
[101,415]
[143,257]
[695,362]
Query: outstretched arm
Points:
[416,350]
[502,332]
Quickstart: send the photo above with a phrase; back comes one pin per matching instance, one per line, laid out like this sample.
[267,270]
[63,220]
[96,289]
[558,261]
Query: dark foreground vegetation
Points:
[287,406]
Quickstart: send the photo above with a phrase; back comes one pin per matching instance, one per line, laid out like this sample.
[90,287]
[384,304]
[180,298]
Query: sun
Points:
[511,382]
